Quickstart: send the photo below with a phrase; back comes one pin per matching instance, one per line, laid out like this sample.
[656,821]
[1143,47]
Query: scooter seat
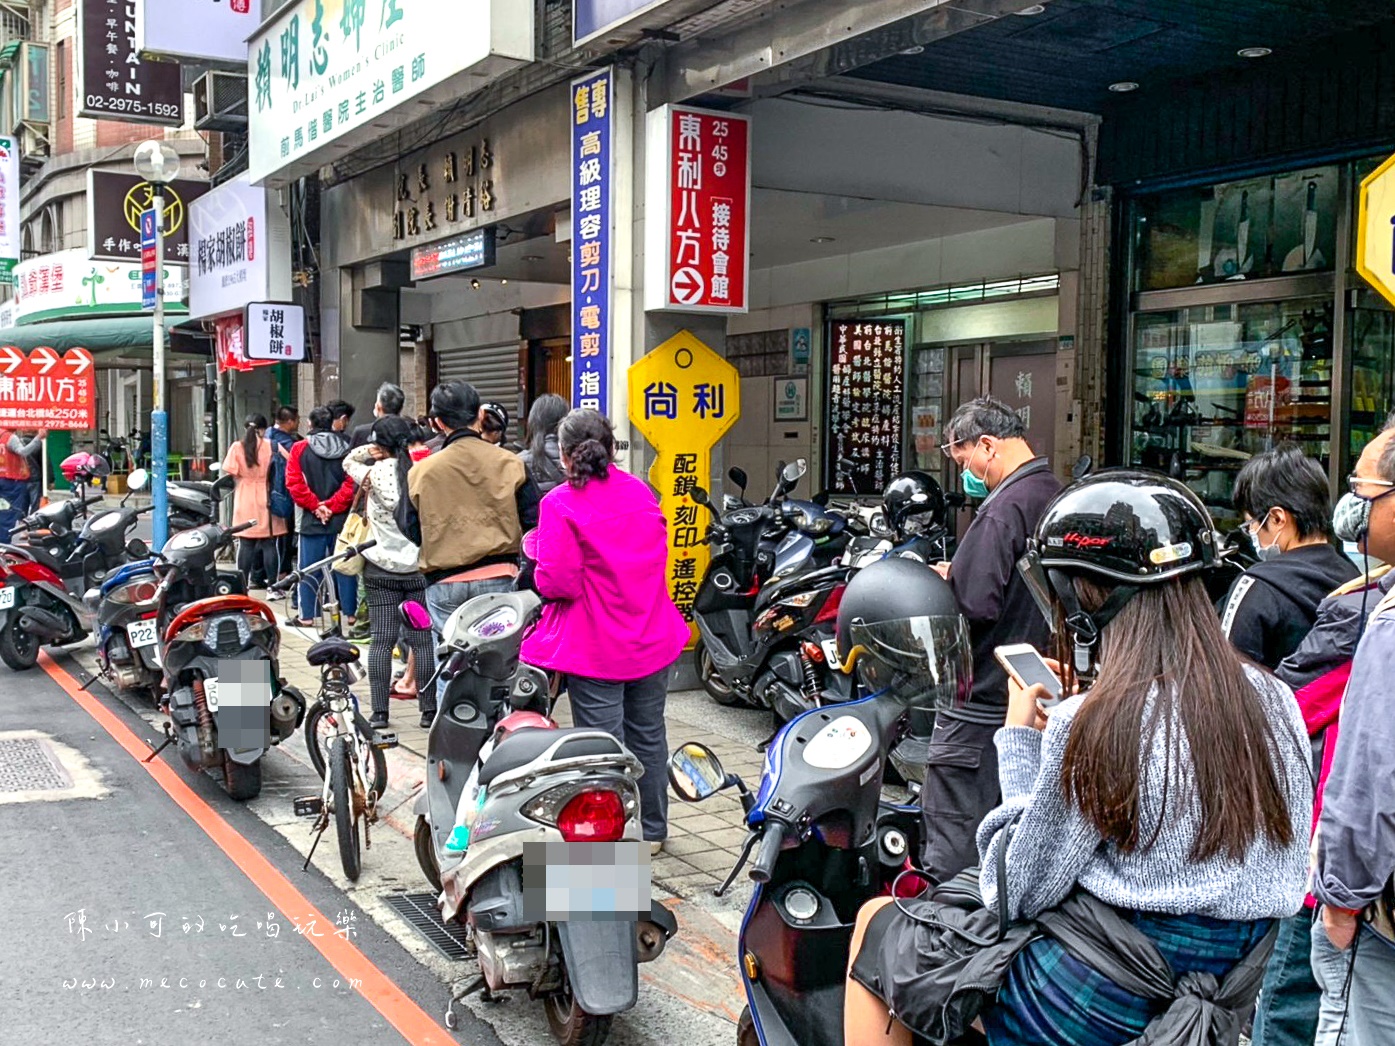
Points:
[332,652]
[523,746]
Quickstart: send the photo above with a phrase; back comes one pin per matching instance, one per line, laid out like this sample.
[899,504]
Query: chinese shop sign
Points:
[446,189]
[274,332]
[115,202]
[114,83]
[66,285]
[698,200]
[46,389]
[474,250]
[865,396]
[9,209]
[326,77]
[240,250]
[684,398]
[593,176]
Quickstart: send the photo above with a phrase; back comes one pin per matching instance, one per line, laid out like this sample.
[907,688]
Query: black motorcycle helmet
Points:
[901,619]
[1123,528]
[913,498]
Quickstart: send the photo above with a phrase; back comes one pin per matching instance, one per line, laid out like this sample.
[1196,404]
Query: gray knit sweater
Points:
[1054,846]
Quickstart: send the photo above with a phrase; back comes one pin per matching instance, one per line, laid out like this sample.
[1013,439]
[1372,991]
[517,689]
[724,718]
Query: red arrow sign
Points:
[78,359]
[43,359]
[32,398]
[10,358]
[687,285]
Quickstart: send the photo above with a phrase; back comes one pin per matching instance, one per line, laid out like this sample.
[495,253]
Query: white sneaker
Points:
[655,845]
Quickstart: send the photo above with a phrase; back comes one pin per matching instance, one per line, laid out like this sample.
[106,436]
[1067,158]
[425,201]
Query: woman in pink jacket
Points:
[610,625]
[249,460]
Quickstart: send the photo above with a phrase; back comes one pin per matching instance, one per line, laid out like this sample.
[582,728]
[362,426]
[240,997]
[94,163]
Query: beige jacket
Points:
[466,497]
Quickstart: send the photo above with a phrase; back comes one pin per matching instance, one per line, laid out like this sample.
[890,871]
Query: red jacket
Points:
[306,498]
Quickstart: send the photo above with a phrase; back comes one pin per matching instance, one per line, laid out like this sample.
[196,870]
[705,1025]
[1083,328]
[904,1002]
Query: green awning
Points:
[10,50]
[124,336]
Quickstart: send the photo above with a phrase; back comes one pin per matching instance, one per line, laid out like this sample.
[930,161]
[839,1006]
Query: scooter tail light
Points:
[829,611]
[593,816]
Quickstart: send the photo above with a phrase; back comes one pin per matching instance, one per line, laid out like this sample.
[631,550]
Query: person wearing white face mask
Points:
[1282,497]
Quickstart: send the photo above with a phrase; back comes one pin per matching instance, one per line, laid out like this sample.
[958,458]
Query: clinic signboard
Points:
[326,77]
[593,195]
[114,82]
[198,30]
[240,250]
[698,205]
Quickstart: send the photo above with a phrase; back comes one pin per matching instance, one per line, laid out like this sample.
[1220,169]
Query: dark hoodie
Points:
[1274,604]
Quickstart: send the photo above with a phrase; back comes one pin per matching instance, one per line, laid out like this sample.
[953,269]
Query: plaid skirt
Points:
[1050,998]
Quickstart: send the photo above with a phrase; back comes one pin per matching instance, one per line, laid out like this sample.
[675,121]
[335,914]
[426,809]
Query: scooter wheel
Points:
[571,1025]
[242,781]
[18,649]
[716,688]
[426,852]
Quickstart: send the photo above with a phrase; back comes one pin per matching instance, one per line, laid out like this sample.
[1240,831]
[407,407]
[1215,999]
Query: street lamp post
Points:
[157,162]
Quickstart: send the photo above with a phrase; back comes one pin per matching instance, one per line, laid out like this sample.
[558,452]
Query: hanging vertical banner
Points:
[866,363]
[114,82]
[697,208]
[9,209]
[149,270]
[684,398]
[592,196]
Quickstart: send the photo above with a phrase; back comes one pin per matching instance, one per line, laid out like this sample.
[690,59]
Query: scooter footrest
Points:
[383,739]
[308,805]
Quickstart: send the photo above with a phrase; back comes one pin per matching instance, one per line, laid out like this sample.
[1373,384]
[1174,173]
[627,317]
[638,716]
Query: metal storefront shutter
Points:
[492,369]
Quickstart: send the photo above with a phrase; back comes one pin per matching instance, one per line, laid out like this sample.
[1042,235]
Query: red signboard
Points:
[708,180]
[47,389]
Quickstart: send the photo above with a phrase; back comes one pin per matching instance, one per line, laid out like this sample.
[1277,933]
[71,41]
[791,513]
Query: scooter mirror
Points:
[1083,466]
[699,495]
[695,773]
[738,476]
[137,480]
[415,616]
[137,549]
[795,470]
[215,466]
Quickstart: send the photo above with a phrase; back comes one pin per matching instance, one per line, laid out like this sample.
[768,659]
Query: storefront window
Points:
[927,393]
[1213,385]
[1372,327]
[1270,226]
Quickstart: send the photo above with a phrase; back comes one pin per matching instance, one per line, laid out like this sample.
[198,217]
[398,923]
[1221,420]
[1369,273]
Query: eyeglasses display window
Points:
[1214,385]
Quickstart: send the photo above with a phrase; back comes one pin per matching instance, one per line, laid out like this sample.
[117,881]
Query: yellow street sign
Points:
[684,398]
[1375,230]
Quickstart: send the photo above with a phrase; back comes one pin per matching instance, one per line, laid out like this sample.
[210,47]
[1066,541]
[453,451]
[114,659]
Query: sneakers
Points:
[655,846]
[427,718]
[358,631]
[378,720]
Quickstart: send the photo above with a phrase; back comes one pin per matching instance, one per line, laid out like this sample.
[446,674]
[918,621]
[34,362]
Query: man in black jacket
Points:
[390,400]
[986,439]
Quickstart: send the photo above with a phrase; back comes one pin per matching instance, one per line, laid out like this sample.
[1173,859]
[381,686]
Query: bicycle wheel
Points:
[321,728]
[341,790]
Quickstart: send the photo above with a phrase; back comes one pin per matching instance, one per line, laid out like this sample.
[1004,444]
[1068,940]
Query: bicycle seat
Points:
[523,746]
[332,651]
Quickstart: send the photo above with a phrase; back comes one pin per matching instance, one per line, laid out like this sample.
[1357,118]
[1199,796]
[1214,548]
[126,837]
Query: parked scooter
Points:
[213,636]
[537,801]
[128,631]
[825,841]
[41,601]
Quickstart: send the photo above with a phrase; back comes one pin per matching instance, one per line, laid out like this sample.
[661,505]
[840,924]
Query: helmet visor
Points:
[1029,566]
[925,662]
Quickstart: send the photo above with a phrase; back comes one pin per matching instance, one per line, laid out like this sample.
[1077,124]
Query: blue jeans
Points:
[1358,990]
[633,713]
[442,599]
[14,499]
[313,548]
[1287,1014]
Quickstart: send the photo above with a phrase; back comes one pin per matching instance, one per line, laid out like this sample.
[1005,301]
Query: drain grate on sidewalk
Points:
[28,764]
[419,909]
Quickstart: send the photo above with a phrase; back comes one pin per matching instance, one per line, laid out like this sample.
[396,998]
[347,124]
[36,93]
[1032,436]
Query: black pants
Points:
[386,593]
[258,558]
[961,787]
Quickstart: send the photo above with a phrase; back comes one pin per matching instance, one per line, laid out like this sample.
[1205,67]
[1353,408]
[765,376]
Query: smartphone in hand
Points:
[1027,667]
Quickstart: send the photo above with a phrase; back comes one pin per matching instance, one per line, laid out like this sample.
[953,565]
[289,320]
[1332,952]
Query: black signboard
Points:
[474,250]
[115,202]
[865,392]
[114,83]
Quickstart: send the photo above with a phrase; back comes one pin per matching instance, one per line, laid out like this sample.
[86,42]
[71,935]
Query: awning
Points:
[125,336]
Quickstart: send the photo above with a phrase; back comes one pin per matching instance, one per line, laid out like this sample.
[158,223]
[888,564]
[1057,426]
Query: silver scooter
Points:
[517,813]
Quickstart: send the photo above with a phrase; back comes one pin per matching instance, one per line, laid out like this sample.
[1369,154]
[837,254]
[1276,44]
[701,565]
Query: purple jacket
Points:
[602,555]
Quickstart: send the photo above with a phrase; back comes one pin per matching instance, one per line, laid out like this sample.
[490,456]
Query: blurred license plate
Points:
[7,598]
[595,882]
[210,692]
[143,633]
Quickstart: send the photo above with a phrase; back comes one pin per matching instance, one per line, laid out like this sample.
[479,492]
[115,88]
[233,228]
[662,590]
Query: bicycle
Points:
[344,749]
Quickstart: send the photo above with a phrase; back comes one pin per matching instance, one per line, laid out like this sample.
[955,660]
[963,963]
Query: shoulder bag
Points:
[355,531]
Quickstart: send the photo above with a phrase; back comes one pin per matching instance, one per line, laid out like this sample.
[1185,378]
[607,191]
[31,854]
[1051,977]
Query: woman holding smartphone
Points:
[1174,789]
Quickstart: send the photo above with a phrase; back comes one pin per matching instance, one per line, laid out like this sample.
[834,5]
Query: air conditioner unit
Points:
[220,102]
[33,146]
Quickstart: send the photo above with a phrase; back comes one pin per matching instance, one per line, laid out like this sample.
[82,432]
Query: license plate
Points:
[210,692]
[7,598]
[586,882]
[830,652]
[143,633]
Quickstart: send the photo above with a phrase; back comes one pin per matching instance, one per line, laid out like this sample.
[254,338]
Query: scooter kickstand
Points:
[169,740]
[457,994]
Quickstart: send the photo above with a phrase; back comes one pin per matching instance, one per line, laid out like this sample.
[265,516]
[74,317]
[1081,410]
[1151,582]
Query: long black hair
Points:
[252,439]
[394,434]
[544,416]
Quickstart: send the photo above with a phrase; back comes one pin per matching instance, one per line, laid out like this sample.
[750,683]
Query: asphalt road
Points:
[162,912]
